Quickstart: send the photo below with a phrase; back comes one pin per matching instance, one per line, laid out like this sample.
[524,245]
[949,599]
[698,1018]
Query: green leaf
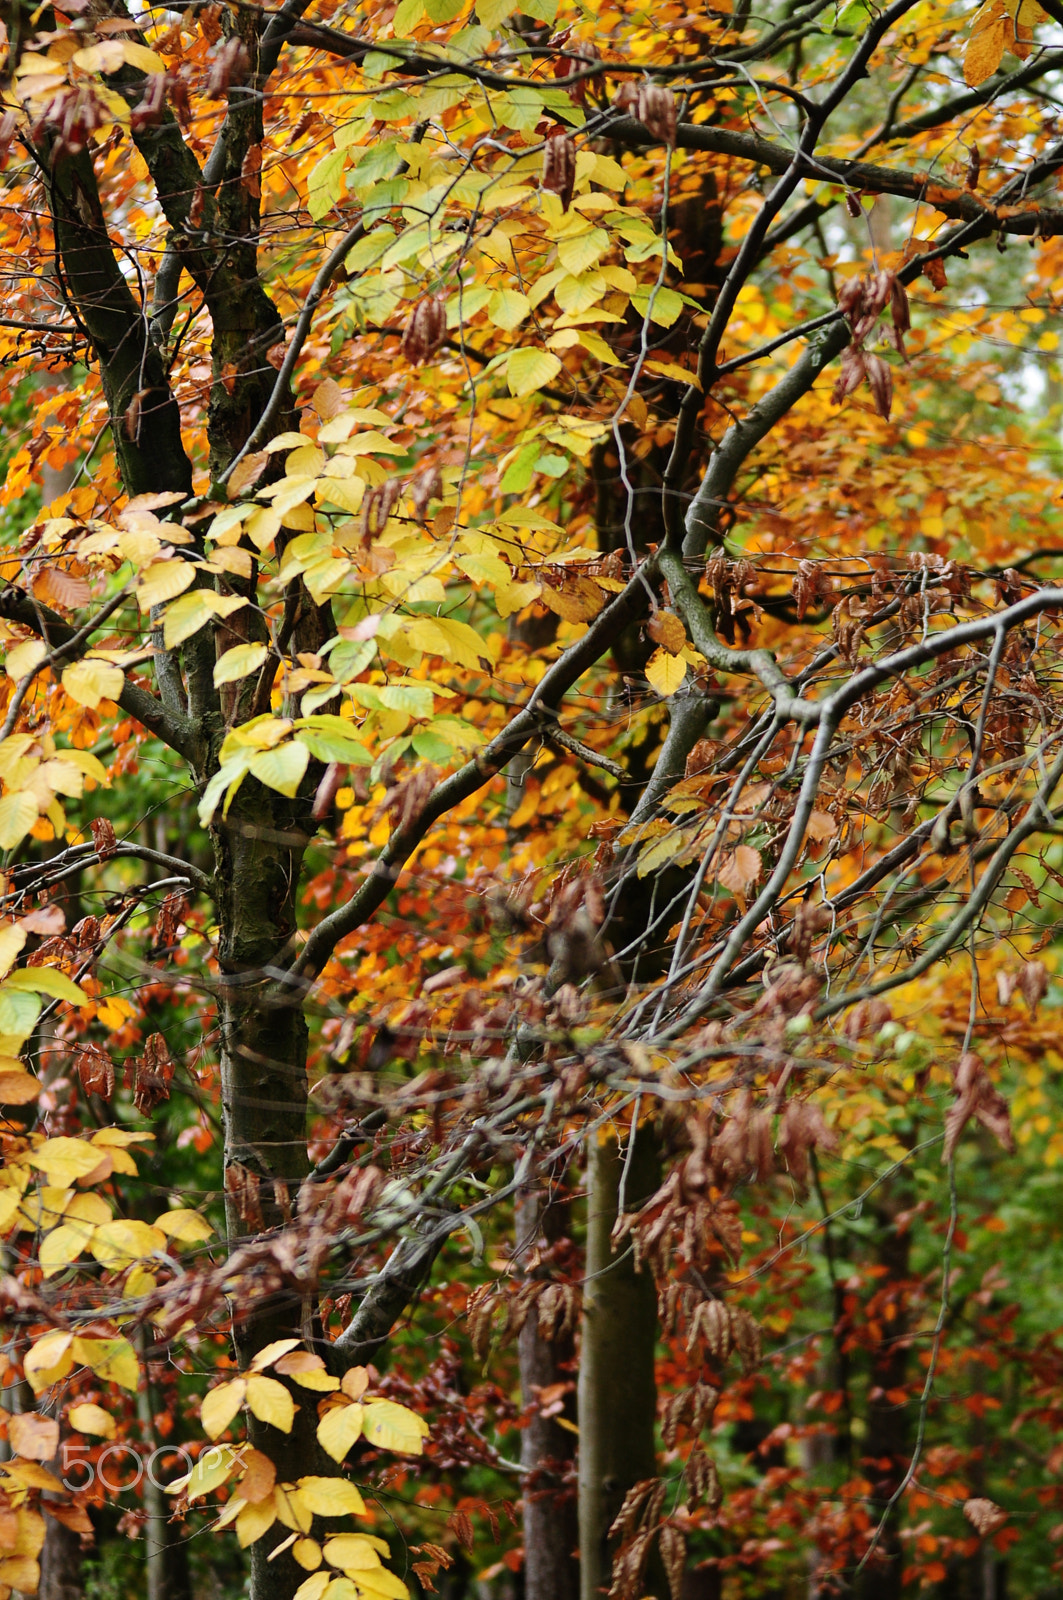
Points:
[47,980]
[507,308]
[325,184]
[18,1012]
[406,18]
[529,370]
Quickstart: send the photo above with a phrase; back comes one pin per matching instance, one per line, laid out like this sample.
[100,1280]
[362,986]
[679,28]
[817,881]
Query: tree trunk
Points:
[263,1036]
[551,1530]
[617,1391]
[61,1575]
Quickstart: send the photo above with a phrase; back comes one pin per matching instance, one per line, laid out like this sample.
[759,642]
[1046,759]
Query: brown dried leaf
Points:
[666,629]
[984,1516]
[56,587]
[741,871]
[95,1071]
[976,1096]
[247,471]
[32,1436]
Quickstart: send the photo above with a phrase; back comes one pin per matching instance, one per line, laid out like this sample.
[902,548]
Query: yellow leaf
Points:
[507,308]
[220,1406]
[138,55]
[209,1473]
[239,662]
[21,1573]
[353,1552]
[105,57]
[672,369]
[88,682]
[529,370]
[118,1244]
[65,1160]
[379,1581]
[395,1427]
[985,49]
[50,1359]
[331,1497]
[9,1204]
[87,1418]
[18,813]
[254,1521]
[188,1227]
[63,1245]
[186,615]
[22,660]
[282,768]
[313,1588]
[270,1402]
[308,1554]
[12,938]
[346,493]
[273,1352]
[339,1429]
[355,1382]
[665,672]
[291,1510]
[112,1359]
[163,581]
[659,852]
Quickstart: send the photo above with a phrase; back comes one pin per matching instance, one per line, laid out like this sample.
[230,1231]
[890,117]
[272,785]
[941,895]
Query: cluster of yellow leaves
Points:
[33,771]
[70,1222]
[347,1564]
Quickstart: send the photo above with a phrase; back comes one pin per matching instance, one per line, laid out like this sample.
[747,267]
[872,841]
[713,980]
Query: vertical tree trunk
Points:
[617,1391]
[888,1432]
[61,1574]
[551,1530]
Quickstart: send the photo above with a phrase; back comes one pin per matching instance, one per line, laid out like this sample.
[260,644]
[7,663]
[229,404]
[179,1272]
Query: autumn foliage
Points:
[531,779]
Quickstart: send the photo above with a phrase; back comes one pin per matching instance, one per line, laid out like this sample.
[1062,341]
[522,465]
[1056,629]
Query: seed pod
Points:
[559,167]
[426,330]
[657,113]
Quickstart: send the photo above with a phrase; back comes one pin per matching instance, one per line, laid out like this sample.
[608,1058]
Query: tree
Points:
[434,384]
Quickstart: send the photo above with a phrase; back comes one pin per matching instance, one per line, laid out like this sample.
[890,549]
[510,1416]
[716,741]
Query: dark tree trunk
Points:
[617,1389]
[551,1530]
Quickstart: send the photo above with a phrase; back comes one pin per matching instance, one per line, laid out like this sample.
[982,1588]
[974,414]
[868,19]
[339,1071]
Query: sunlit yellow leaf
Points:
[394,1427]
[270,1402]
[119,1243]
[163,581]
[113,1359]
[308,1554]
[18,813]
[48,1360]
[255,1520]
[239,662]
[188,1227]
[220,1406]
[665,672]
[339,1429]
[89,1418]
[24,658]
[65,1160]
[331,1497]
[528,370]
